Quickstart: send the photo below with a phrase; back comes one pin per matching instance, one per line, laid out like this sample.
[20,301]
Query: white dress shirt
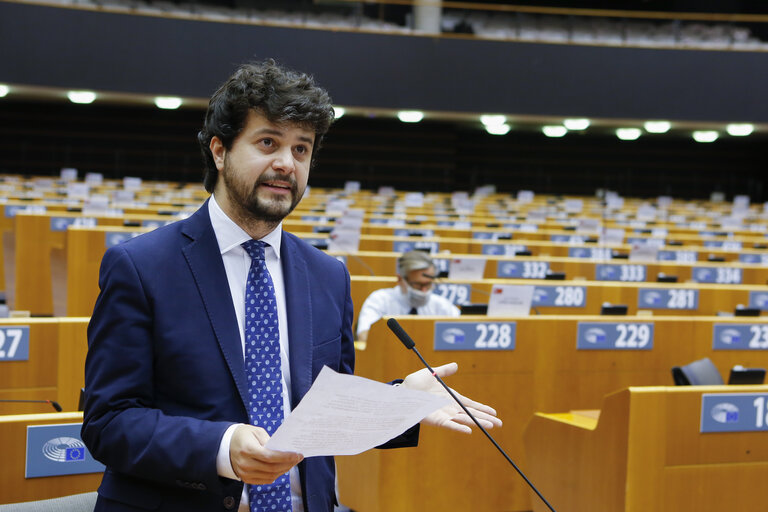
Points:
[392,301]
[237,263]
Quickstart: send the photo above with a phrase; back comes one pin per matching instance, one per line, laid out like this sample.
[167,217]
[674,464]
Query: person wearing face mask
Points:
[412,296]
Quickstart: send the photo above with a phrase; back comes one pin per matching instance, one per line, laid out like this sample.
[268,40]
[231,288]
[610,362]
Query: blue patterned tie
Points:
[262,368]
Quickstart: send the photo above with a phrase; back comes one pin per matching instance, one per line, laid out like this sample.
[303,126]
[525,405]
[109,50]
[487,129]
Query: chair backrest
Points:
[698,373]
[75,503]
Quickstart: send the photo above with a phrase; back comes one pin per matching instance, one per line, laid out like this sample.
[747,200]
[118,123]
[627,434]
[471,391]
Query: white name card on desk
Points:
[612,236]
[525,196]
[466,268]
[350,187]
[94,178]
[344,241]
[510,300]
[77,190]
[123,196]
[574,205]
[414,199]
[336,206]
[131,183]
[68,174]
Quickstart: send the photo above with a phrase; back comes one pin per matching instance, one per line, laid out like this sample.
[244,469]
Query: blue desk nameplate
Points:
[475,335]
[560,296]
[14,343]
[740,337]
[454,292]
[595,253]
[719,275]
[54,450]
[734,412]
[112,238]
[403,246]
[668,298]
[503,249]
[755,259]
[758,300]
[624,272]
[523,269]
[681,256]
[62,223]
[614,336]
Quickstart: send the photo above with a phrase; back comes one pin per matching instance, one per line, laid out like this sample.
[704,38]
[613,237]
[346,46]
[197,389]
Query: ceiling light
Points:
[4,90]
[497,129]
[628,133]
[740,129]
[410,116]
[168,102]
[657,126]
[339,112]
[554,130]
[576,124]
[81,97]
[493,120]
[705,136]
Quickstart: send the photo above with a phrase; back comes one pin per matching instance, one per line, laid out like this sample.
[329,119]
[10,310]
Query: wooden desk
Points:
[54,370]
[645,453]
[545,372]
[14,487]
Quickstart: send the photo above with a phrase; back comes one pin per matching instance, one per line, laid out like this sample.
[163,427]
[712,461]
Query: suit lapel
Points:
[204,259]
[299,312]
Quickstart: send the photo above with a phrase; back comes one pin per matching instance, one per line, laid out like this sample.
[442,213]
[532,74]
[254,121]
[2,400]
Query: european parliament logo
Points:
[54,450]
[595,335]
[64,449]
[540,295]
[730,336]
[725,412]
[454,335]
[652,298]
[607,272]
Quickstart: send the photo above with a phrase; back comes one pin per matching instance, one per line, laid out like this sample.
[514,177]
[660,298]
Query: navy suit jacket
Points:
[165,377]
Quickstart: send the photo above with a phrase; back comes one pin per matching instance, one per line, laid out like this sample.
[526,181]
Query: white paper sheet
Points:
[346,415]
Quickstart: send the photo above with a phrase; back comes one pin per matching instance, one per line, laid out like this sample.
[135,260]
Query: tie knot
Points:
[254,248]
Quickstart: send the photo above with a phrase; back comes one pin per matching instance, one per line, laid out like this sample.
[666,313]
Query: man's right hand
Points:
[253,463]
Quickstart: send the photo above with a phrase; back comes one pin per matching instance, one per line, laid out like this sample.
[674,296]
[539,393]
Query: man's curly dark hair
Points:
[279,94]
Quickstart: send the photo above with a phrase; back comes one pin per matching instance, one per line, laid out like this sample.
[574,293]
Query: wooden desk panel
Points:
[644,453]
[545,372]
[14,487]
[54,370]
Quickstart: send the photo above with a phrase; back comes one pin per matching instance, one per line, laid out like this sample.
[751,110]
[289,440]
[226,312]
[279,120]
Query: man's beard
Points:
[246,197]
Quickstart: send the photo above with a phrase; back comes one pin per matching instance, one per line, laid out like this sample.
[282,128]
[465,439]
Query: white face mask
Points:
[417,298]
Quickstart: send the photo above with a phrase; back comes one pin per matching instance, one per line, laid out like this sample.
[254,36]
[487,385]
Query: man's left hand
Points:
[451,416]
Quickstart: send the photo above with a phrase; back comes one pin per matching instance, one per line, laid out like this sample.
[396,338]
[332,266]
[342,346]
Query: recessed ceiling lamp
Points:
[168,102]
[657,126]
[576,124]
[4,90]
[493,120]
[705,136]
[339,112]
[81,97]
[740,129]
[497,129]
[410,116]
[554,130]
[628,133]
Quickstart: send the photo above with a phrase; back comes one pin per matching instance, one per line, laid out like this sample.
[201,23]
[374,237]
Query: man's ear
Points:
[218,151]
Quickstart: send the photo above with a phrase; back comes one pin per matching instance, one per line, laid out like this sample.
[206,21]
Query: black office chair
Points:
[698,373]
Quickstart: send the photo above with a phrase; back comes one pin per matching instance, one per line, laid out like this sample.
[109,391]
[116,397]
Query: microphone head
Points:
[395,327]
[56,405]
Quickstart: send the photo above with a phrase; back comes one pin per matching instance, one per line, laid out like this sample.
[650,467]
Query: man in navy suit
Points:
[166,389]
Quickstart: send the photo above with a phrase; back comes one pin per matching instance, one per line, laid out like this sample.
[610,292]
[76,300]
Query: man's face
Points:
[264,174]
[422,279]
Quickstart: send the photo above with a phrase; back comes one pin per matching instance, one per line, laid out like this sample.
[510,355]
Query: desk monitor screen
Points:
[746,375]
[474,309]
[613,309]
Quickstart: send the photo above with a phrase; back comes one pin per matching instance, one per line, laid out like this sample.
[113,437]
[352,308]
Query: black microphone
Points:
[52,402]
[395,327]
